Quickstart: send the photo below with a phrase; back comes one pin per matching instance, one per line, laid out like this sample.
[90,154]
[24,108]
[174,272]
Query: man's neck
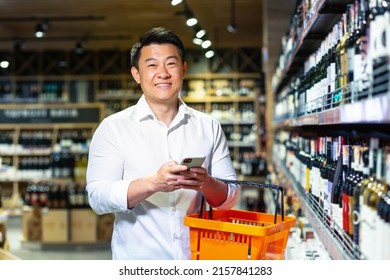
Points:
[165,112]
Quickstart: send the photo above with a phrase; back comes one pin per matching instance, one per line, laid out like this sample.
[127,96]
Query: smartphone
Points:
[193,161]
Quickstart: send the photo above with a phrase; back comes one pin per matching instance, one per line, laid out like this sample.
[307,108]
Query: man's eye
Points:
[152,65]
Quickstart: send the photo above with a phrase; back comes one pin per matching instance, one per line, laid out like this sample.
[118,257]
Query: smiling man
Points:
[133,168]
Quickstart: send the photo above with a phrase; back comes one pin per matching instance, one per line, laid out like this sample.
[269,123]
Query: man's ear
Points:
[135,74]
[184,69]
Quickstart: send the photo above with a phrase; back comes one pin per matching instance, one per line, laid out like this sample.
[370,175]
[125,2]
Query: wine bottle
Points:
[362,74]
[340,48]
[378,193]
[351,40]
[366,213]
[383,209]
[357,192]
[343,59]
[347,154]
[379,48]
[332,156]
[331,72]
[308,166]
[358,176]
[314,173]
[336,194]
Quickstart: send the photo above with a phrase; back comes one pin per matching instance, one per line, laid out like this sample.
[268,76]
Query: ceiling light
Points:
[192,21]
[206,44]
[197,41]
[40,29]
[200,33]
[209,54]
[176,2]
[232,26]
[79,49]
[4,64]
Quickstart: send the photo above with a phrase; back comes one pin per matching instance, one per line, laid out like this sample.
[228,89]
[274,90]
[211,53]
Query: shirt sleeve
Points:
[107,191]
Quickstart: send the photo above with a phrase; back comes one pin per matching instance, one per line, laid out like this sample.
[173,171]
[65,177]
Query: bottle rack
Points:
[338,247]
[305,37]
[232,98]
[358,115]
[32,136]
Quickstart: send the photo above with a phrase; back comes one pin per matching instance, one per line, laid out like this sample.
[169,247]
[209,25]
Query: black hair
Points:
[156,35]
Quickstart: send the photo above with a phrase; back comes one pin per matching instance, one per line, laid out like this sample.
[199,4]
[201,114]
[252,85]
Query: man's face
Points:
[160,72]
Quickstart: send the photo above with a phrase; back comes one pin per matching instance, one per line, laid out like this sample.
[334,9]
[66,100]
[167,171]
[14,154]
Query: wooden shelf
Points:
[53,118]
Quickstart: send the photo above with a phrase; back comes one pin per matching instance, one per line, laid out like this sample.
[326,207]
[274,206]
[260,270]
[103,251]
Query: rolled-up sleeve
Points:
[107,191]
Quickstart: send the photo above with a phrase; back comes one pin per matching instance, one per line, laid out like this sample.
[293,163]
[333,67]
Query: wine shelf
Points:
[338,247]
[332,101]
[360,112]
[319,21]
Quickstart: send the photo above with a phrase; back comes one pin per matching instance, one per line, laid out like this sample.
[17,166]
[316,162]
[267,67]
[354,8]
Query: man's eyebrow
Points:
[149,59]
[172,56]
[168,57]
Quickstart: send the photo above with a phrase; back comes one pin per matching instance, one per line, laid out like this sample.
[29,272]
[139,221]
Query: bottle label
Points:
[345,154]
[379,44]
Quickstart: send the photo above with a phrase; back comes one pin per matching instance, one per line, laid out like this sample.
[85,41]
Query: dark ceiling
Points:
[117,24]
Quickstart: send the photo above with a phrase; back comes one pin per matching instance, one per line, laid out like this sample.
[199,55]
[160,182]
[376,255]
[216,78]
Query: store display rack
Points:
[356,112]
[306,38]
[338,247]
[31,136]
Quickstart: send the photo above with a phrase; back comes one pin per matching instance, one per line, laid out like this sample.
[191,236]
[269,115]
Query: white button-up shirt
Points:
[132,144]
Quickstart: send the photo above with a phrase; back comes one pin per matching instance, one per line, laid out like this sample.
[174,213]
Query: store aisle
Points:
[61,252]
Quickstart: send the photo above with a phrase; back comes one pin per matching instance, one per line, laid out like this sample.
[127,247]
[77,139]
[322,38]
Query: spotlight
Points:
[209,54]
[40,29]
[79,49]
[4,64]
[197,41]
[192,21]
[200,33]
[176,2]
[232,28]
[206,44]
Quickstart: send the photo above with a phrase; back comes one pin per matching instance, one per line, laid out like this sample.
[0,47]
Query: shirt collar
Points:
[144,111]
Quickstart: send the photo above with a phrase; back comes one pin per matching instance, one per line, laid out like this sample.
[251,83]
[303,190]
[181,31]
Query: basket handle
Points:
[202,205]
[278,189]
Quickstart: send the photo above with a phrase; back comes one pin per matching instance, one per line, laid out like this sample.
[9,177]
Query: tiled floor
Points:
[31,251]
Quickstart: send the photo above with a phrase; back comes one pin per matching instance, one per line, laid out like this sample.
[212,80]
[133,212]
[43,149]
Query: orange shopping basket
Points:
[239,234]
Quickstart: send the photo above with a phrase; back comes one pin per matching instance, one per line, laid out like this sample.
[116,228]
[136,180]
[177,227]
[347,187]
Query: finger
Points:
[191,182]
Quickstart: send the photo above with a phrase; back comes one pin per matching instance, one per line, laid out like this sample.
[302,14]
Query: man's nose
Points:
[163,72]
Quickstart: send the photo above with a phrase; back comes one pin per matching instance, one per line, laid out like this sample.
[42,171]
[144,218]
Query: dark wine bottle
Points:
[362,74]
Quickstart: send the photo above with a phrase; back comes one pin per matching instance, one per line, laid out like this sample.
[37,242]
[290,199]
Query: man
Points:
[133,168]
